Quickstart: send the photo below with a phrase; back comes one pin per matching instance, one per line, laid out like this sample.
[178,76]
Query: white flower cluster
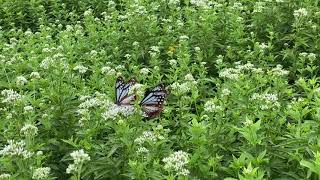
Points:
[10,96]
[259,7]
[181,88]
[21,81]
[174,2]
[238,6]
[302,12]
[16,149]
[88,12]
[81,69]
[225,92]
[114,110]
[142,150]
[230,73]
[35,75]
[310,56]
[263,46]
[29,130]
[210,106]
[172,62]
[200,3]
[41,173]
[45,64]
[137,89]
[28,109]
[144,71]
[91,103]
[278,71]
[79,157]
[270,100]
[55,59]
[235,73]
[189,77]
[148,136]
[154,51]
[219,59]
[184,87]
[176,162]
[107,70]
[5,176]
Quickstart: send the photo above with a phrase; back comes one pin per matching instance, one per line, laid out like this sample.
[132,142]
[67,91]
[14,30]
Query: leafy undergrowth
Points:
[243,79]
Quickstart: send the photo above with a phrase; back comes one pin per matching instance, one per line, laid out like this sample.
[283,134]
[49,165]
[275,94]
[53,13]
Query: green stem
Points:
[79,172]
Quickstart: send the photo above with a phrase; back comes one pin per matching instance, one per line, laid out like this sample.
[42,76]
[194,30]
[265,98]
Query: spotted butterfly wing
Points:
[152,103]
[122,90]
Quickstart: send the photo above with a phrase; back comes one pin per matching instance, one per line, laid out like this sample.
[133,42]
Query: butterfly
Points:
[122,90]
[153,101]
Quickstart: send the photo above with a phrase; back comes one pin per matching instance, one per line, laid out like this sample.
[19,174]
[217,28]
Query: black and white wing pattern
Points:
[122,90]
[152,103]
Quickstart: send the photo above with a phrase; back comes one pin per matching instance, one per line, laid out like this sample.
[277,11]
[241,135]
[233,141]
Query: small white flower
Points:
[45,64]
[181,88]
[184,87]
[210,106]
[278,71]
[225,92]
[259,7]
[135,43]
[81,69]
[119,67]
[154,51]
[138,89]
[79,156]
[219,59]
[269,100]
[91,103]
[199,3]
[144,71]
[173,62]
[230,73]
[142,150]
[72,168]
[39,153]
[248,122]
[28,108]
[303,54]
[183,38]
[263,46]
[21,80]
[93,52]
[88,12]
[147,136]
[312,56]
[108,71]
[29,130]
[189,77]
[41,173]
[174,2]
[302,12]
[5,176]
[35,75]
[114,110]
[10,95]
[176,162]
[16,149]
[197,49]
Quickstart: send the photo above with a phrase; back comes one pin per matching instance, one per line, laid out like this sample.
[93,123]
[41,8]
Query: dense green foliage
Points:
[244,98]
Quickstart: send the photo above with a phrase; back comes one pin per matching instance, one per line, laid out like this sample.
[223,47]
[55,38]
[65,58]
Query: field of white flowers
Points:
[242,77]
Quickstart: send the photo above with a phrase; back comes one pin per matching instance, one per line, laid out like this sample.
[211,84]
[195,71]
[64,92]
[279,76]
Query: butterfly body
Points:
[152,103]
[122,90]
